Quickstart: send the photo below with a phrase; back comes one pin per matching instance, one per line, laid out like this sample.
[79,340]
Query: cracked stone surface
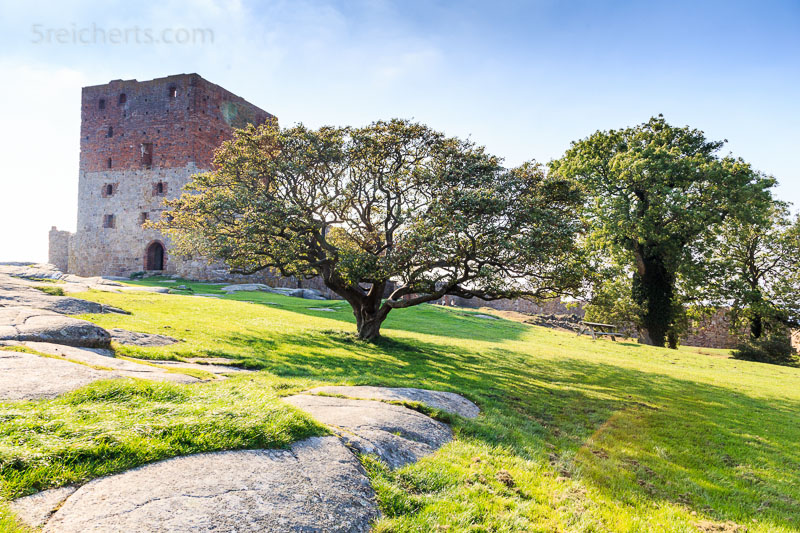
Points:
[35,510]
[106,358]
[396,434]
[27,324]
[316,485]
[25,376]
[134,338]
[446,401]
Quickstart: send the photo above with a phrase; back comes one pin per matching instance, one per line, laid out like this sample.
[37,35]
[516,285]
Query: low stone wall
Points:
[712,332]
[796,340]
[58,251]
[520,305]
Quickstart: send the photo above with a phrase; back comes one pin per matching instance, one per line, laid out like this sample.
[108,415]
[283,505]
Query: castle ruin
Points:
[140,144]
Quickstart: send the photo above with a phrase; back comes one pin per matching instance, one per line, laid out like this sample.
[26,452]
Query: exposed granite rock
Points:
[317,485]
[25,376]
[27,324]
[308,294]
[446,401]
[135,338]
[247,287]
[396,434]
[106,359]
[35,510]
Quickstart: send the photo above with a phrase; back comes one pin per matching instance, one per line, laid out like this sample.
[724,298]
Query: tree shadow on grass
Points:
[631,435]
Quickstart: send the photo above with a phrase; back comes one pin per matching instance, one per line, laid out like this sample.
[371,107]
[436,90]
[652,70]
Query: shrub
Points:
[774,348]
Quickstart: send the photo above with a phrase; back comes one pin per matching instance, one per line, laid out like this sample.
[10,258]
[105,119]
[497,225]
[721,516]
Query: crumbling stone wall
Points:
[520,305]
[796,340]
[712,332]
[58,254]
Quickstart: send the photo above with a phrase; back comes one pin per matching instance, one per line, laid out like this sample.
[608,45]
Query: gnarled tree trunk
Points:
[653,289]
[367,304]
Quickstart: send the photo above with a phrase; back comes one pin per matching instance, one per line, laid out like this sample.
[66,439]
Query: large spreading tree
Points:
[655,193]
[390,216]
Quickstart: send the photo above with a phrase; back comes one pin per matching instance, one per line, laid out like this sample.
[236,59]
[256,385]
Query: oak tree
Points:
[654,192]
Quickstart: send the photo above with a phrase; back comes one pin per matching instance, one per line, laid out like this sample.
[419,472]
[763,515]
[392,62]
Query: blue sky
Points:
[522,78]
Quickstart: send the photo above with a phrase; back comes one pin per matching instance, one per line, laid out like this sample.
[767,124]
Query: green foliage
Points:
[774,348]
[655,192]
[393,204]
[755,268]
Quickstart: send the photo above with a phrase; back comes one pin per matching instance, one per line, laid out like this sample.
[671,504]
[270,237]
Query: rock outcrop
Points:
[30,324]
[446,401]
[396,434]
[316,485]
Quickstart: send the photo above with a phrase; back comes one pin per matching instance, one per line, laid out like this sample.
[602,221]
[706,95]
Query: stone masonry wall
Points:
[58,254]
[711,332]
[520,305]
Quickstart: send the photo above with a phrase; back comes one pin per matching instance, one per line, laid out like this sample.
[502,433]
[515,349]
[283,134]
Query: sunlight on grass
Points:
[590,435]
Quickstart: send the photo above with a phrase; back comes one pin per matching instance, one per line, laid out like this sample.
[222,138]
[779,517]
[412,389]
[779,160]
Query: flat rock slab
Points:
[28,324]
[105,358]
[35,510]
[396,434]
[25,376]
[317,485]
[446,401]
[135,338]
[207,367]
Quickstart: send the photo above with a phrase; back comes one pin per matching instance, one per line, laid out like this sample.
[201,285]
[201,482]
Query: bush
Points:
[775,348]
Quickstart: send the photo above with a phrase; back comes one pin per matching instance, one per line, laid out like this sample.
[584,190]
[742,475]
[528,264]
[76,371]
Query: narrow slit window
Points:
[173,92]
[109,162]
[147,154]
[101,103]
[160,189]
[109,190]
[110,132]
[144,216]
[122,98]
[108,221]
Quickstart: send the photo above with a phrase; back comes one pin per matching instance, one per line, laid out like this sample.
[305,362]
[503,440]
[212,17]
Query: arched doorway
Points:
[154,256]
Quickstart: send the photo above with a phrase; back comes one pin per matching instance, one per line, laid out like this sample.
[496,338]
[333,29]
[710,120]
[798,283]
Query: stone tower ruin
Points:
[140,143]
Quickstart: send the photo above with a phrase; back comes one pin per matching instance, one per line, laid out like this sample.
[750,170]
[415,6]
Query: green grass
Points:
[575,434]
[52,291]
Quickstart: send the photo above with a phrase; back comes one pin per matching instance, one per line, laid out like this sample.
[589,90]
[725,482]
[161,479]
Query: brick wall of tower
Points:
[184,117]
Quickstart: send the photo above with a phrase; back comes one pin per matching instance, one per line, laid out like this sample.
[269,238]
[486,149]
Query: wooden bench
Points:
[595,329]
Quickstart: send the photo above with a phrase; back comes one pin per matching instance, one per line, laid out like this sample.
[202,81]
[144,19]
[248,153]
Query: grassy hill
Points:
[575,434]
